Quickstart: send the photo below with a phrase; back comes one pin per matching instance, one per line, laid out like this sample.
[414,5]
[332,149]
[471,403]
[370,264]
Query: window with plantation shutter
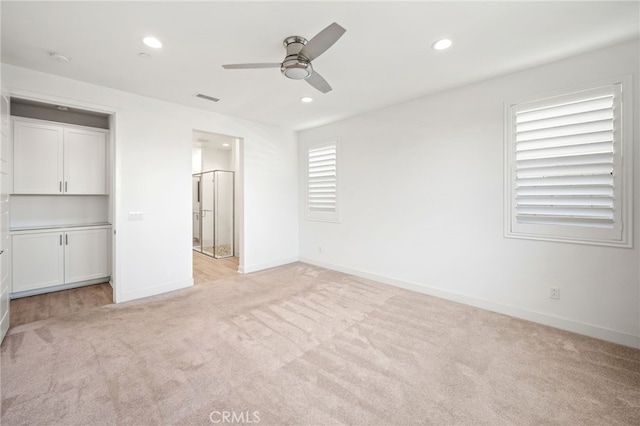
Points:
[322,180]
[566,172]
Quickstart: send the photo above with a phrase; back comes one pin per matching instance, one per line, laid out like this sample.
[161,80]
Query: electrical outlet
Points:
[554,293]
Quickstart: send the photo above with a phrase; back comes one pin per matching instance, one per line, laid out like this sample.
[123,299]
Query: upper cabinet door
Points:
[38,162]
[85,161]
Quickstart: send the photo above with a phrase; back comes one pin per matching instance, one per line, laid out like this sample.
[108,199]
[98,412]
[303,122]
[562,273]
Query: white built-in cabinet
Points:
[59,172]
[51,158]
[60,257]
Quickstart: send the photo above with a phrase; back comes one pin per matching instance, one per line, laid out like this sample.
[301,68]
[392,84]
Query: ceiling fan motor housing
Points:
[295,66]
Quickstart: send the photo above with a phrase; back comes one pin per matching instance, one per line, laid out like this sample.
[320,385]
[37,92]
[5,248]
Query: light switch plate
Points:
[136,215]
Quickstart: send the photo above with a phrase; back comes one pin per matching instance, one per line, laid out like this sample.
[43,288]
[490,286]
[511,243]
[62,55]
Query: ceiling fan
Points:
[300,52]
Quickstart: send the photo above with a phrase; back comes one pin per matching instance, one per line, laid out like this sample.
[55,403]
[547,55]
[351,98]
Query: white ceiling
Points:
[384,57]
[213,140]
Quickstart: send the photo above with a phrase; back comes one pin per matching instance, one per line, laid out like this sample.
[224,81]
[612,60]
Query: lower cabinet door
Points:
[37,260]
[85,255]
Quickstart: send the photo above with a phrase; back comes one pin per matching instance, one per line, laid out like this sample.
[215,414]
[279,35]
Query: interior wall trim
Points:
[153,291]
[512,311]
[262,266]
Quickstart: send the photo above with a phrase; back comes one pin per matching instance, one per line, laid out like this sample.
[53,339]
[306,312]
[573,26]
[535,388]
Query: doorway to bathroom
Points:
[215,188]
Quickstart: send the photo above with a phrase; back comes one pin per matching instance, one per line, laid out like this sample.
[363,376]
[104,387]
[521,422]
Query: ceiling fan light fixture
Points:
[296,73]
[296,69]
[442,44]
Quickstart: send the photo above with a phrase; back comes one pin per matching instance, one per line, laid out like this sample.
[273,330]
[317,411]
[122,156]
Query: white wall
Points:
[216,159]
[153,165]
[421,198]
[58,210]
[196,159]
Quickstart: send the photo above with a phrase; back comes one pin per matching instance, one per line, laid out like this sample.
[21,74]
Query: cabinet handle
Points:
[66,239]
[65,186]
[60,239]
[60,190]
[1,251]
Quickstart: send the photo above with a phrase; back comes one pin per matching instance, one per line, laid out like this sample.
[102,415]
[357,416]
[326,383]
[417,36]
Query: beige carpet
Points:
[306,346]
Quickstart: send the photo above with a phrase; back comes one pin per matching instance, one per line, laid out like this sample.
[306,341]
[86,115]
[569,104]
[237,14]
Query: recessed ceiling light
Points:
[306,99]
[442,44]
[152,42]
[225,144]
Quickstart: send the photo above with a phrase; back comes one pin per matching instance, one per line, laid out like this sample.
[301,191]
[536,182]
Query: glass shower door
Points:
[224,213]
[207,213]
[213,213]
[197,223]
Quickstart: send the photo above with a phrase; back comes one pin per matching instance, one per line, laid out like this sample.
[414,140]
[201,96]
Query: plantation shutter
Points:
[567,159]
[322,181]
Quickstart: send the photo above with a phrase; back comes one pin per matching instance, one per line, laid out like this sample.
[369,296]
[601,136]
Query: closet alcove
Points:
[60,198]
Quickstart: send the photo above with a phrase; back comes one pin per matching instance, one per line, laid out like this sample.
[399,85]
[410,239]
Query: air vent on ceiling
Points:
[207,97]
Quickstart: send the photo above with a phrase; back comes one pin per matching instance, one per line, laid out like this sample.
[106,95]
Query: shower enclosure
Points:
[213,227]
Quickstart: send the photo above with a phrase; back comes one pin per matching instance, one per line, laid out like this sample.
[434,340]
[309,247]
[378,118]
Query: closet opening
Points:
[60,209]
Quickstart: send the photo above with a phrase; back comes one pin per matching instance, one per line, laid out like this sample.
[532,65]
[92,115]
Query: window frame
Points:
[570,233]
[334,216]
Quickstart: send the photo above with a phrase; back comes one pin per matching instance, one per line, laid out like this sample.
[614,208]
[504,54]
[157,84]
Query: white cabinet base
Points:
[57,259]
[37,261]
[35,292]
[85,255]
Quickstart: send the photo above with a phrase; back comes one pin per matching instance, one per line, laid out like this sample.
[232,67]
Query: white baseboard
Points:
[60,287]
[537,317]
[151,291]
[262,266]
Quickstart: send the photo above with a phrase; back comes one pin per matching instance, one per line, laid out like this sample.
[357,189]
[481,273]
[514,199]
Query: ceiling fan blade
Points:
[318,82]
[249,66]
[322,41]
